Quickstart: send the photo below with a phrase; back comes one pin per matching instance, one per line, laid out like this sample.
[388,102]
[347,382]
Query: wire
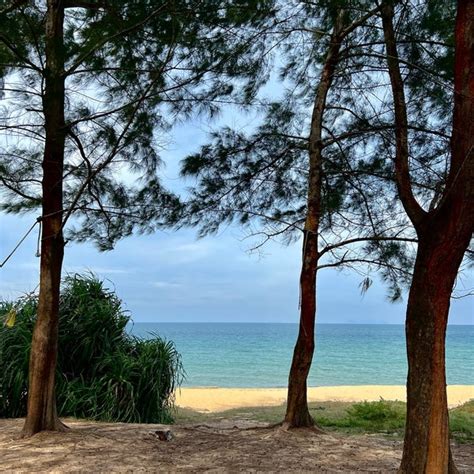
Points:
[38,220]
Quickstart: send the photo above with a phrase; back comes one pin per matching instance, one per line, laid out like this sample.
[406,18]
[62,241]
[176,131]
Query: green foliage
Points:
[103,372]
[15,343]
[257,176]
[133,69]
[461,422]
[382,417]
[379,415]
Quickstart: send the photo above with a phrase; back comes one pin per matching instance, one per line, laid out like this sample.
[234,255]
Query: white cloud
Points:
[96,270]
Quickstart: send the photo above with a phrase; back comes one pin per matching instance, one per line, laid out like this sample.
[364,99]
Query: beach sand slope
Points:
[213,399]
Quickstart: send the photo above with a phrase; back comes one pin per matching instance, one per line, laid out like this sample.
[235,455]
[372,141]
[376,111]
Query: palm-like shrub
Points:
[103,372]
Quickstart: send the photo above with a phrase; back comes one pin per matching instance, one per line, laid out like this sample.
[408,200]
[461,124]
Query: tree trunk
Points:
[42,413]
[426,447]
[444,236]
[297,412]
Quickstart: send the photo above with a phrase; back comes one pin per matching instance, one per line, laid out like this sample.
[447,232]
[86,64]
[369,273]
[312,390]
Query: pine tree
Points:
[444,231]
[87,86]
[309,169]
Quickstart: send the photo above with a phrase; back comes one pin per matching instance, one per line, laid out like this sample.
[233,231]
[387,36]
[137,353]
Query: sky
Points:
[175,277]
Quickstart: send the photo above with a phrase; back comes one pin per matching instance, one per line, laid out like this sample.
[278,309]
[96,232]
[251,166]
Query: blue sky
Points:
[173,276]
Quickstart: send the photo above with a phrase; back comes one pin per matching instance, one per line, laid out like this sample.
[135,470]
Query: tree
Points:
[321,184]
[444,232]
[83,82]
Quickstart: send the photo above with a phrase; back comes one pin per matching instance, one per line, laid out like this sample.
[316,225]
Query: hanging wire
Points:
[38,221]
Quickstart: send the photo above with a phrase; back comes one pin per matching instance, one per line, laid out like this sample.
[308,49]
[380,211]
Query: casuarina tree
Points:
[444,232]
[87,88]
[304,169]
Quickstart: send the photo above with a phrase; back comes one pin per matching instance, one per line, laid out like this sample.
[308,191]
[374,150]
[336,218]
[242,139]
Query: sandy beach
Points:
[215,399]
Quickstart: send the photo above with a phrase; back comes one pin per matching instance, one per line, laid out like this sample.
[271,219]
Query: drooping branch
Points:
[119,34]
[13,49]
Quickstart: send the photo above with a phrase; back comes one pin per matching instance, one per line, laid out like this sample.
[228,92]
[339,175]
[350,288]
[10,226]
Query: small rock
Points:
[163,435]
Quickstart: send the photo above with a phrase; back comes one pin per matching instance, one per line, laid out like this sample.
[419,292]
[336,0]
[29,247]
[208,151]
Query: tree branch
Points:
[402,170]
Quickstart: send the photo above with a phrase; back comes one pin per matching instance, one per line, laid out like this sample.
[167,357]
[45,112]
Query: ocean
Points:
[259,354]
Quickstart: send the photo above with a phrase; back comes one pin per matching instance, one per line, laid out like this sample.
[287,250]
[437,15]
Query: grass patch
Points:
[374,417]
[383,417]
[461,421]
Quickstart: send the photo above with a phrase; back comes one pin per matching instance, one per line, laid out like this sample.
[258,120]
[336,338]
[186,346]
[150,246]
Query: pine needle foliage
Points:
[103,372]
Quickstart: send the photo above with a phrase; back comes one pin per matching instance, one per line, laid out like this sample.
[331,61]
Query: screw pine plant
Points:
[103,373]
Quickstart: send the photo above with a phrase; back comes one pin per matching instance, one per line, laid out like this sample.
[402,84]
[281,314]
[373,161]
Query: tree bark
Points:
[42,412]
[443,240]
[443,235]
[426,446]
[297,411]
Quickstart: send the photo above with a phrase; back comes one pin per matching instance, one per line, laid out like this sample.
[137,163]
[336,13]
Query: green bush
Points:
[461,422]
[375,412]
[103,372]
[366,416]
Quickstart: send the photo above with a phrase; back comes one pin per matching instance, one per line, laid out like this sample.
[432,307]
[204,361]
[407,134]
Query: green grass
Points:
[462,422]
[386,418]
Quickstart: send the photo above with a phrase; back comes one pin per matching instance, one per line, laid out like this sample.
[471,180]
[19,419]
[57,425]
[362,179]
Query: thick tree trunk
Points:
[297,412]
[426,447]
[444,235]
[42,413]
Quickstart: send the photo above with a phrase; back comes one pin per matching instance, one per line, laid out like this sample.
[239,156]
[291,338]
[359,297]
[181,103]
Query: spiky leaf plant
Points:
[103,373]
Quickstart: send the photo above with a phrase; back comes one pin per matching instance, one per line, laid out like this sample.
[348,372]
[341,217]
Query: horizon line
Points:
[277,322]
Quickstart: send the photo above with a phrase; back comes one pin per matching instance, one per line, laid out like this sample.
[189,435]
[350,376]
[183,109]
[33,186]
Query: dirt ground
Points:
[225,446]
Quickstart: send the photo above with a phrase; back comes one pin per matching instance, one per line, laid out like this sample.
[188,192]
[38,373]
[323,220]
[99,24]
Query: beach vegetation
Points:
[383,417]
[461,422]
[103,373]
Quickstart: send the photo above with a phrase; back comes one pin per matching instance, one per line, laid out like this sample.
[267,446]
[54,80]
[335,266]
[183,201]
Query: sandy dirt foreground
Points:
[210,399]
[220,447]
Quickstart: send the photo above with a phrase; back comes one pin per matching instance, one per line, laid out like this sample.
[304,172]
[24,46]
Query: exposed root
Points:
[28,430]
[287,426]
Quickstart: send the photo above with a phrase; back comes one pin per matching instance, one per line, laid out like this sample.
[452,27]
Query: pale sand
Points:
[214,399]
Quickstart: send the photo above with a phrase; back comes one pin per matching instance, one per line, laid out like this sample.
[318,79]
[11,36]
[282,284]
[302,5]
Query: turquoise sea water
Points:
[259,355]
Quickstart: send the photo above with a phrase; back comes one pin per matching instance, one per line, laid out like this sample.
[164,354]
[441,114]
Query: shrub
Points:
[103,372]
[461,422]
[381,416]
[372,411]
